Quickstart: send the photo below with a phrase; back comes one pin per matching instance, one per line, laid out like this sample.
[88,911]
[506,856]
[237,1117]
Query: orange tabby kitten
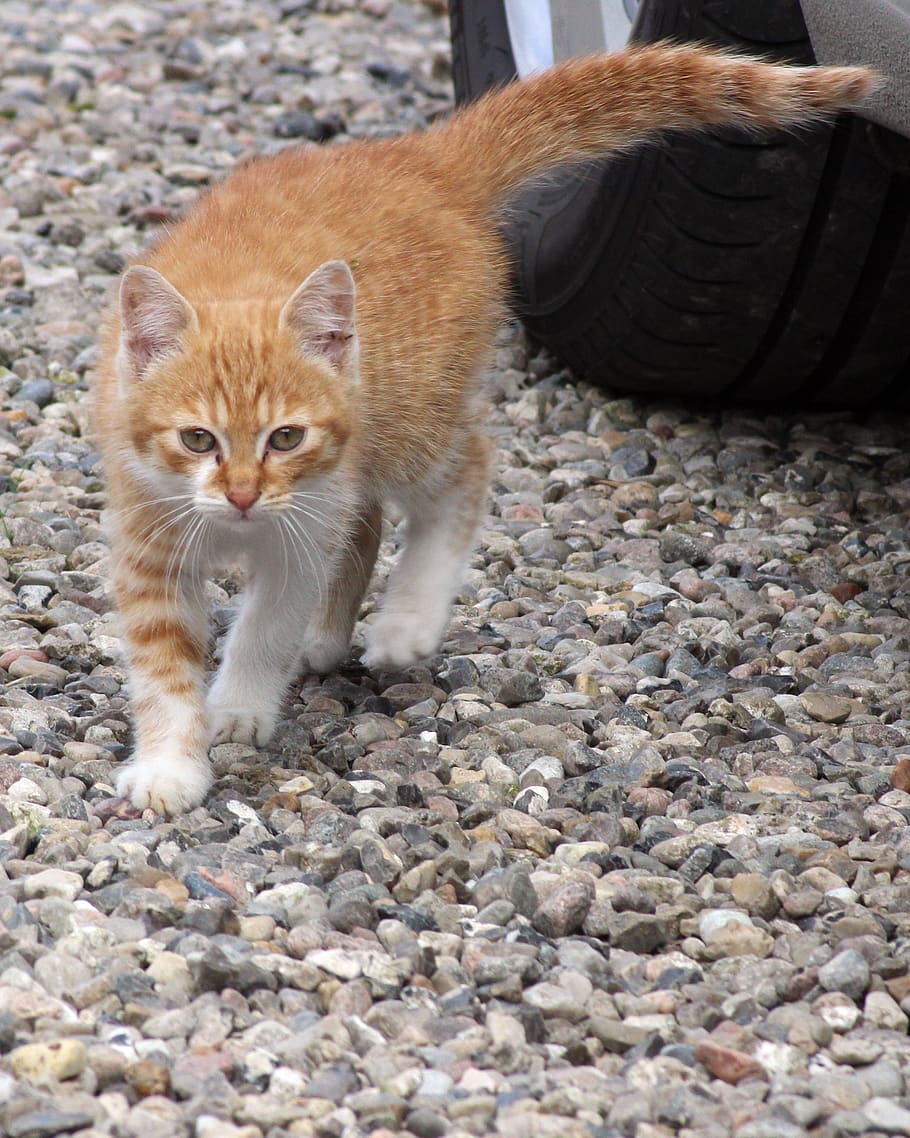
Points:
[305,347]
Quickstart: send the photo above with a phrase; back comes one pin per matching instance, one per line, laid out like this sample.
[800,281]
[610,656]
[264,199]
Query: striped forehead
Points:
[241,376]
[243,381]
[233,402]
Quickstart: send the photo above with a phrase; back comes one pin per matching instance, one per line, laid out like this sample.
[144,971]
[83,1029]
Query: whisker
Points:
[169,514]
[344,537]
[304,539]
[150,503]
[304,543]
[285,555]
[176,561]
[174,554]
[179,515]
[332,524]
[201,546]
[343,540]
[193,544]
[316,495]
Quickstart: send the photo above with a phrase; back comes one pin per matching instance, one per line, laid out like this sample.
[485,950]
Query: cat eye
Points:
[198,441]
[286,438]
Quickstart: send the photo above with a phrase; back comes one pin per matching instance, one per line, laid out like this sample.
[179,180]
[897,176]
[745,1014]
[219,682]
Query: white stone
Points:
[27,790]
[435,1084]
[778,1058]
[840,1017]
[338,962]
[242,811]
[883,1114]
[555,1000]
[170,970]
[881,1010]
[52,883]
[404,1083]
[286,1083]
[258,1064]
[505,1030]
[477,1081]
[208,1126]
[712,921]
[366,785]
[533,799]
[299,785]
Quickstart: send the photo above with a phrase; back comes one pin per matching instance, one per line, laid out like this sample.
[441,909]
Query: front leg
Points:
[261,658]
[164,623]
[328,633]
[291,622]
[441,523]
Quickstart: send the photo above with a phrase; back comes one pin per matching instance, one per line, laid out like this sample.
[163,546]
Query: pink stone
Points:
[17,653]
[728,1065]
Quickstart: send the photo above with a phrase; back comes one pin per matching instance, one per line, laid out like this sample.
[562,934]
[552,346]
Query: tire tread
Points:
[719,265]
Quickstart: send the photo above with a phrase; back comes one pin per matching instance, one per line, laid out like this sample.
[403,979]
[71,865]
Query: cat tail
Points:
[586,106]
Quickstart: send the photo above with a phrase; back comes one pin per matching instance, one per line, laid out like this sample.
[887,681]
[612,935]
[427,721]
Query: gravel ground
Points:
[629,857]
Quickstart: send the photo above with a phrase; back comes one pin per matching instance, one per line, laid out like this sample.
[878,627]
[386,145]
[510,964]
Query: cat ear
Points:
[320,316]
[153,319]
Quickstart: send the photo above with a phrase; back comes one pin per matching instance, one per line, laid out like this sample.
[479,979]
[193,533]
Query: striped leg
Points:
[165,626]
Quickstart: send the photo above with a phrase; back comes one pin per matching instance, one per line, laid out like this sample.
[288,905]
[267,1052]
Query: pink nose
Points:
[242,497]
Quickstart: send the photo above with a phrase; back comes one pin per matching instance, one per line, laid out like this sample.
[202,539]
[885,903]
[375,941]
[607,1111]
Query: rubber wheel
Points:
[771,269]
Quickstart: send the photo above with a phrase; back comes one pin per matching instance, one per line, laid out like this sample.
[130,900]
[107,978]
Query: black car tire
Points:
[771,268]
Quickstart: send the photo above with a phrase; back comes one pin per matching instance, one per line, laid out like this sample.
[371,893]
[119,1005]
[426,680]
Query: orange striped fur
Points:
[321,319]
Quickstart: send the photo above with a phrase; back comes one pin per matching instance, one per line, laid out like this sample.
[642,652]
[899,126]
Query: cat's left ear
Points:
[154,317]
[320,317]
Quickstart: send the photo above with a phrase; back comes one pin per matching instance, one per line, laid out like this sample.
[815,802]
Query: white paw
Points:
[323,654]
[396,640]
[254,725]
[243,708]
[168,783]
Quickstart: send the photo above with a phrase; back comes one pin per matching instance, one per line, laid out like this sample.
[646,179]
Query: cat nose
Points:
[242,496]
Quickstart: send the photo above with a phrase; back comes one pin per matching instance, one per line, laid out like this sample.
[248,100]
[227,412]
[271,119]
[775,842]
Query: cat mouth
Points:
[242,518]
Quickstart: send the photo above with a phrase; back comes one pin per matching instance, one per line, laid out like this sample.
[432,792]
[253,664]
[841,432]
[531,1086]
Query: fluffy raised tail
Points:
[584,107]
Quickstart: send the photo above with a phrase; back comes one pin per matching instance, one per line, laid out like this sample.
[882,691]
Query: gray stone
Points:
[563,910]
[771,1128]
[426,1123]
[512,687]
[40,391]
[642,933]
[512,884]
[333,1083]
[45,1123]
[616,1035]
[847,972]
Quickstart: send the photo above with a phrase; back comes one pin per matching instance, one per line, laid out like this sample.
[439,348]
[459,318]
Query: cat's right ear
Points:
[320,317]
[154,318]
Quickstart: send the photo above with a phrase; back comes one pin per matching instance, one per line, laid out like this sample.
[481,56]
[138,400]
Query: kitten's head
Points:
[234,406]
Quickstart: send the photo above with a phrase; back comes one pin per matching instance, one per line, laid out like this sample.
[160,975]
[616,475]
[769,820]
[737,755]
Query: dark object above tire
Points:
[771,268]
